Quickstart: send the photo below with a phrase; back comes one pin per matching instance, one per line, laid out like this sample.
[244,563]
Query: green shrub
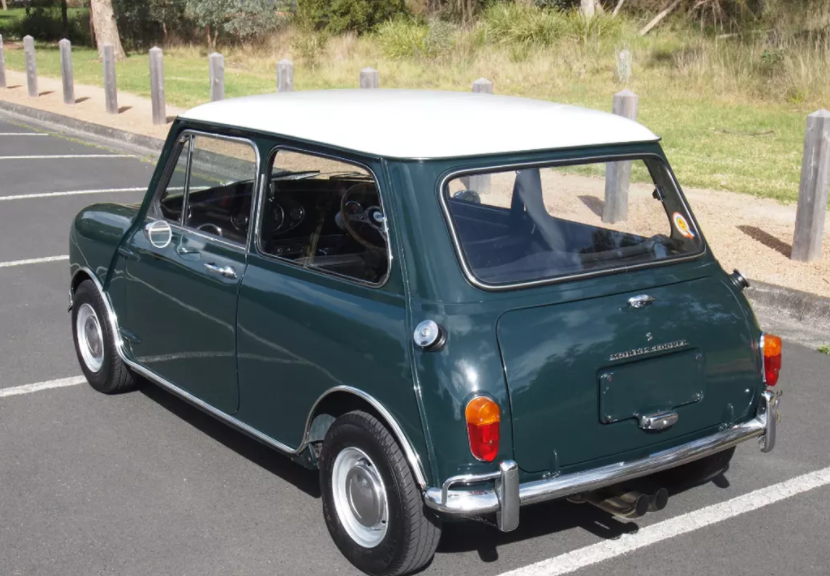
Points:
[522,24]
[337,16]
[43,22]
[409,38]
[309,46]
[402,38]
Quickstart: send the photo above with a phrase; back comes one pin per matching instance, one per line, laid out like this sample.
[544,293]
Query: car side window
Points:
[170,202]
[221,186]
[324,214]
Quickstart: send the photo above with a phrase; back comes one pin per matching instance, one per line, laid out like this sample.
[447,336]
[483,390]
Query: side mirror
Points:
[470,196]
[159,233]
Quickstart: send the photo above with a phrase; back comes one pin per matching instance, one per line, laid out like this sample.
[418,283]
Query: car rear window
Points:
[534,224]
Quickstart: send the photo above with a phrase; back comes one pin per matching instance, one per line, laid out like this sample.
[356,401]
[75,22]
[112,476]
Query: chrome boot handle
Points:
[641,301]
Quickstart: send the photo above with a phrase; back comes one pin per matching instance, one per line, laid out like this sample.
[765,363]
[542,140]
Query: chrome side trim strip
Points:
[486,500]
[409,452]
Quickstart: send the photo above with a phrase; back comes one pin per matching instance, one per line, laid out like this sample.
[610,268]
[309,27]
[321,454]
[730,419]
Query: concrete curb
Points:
[794,315]
[145,145]
[800,306]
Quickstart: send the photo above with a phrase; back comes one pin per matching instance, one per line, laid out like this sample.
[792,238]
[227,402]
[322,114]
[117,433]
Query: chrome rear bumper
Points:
[507,495]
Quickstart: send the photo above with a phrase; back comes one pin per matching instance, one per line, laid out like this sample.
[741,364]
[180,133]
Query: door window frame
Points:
[188,135]
[265,180]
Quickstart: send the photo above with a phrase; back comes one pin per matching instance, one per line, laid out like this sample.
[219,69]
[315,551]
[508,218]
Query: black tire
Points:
[699,471]
[413,533]
[113,376]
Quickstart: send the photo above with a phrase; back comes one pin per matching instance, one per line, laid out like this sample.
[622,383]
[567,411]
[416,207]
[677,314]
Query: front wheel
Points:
[372,505]
[95,343]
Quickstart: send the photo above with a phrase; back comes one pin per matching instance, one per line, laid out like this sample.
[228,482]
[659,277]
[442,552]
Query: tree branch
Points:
[659,17]
[618,7]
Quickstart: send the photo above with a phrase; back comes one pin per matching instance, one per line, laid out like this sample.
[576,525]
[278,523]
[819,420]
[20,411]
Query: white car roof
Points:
[422,124]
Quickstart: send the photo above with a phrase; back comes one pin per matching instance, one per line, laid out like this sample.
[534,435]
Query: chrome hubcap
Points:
[360,497]
[90,337]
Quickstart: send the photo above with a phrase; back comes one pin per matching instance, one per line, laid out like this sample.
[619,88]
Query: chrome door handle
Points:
[185,251]
[641,301]
[225,271]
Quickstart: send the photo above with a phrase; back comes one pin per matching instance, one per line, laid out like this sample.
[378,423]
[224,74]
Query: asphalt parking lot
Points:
[144,484]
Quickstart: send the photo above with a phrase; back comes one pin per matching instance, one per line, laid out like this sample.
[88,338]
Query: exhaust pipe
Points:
[658,500]
[631,504]
[628,505]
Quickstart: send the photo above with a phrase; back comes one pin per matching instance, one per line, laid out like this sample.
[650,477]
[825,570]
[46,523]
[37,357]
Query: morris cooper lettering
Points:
[649,350]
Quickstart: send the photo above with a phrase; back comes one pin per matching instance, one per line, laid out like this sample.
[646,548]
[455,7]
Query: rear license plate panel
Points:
[650,385]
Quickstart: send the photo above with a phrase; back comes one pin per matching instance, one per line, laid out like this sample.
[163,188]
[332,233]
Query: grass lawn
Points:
[717,141]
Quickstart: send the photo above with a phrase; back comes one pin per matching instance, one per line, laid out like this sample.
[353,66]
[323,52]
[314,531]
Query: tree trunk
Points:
[91,28]
[618,7]
[65,18]
[106,29]
[586,7]
[4,5]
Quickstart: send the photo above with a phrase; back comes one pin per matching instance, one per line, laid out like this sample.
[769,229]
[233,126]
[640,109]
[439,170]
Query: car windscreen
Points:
[531,224]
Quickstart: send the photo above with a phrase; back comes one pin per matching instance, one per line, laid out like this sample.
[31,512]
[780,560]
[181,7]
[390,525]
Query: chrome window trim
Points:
[397,431]
[257,225]
[443,192]
[161,188]
[189,134]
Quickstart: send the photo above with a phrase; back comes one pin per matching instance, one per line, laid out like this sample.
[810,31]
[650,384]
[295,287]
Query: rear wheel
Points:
[372,505]
[95,343]
[699,471]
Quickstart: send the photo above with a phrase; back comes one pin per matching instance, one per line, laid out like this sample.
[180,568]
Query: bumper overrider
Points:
[507,495]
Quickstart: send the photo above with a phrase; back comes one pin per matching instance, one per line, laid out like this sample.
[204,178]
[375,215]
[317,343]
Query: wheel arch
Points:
[342,399]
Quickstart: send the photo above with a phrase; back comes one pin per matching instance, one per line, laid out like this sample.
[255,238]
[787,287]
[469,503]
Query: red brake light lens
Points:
[483,423]
[772,358]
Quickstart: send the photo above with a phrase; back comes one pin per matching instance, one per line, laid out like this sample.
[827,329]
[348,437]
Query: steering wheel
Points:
[354,214]
[211,228]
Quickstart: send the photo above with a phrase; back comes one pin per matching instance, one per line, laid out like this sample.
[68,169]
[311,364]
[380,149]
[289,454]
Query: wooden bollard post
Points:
[67,74]
[285,76]
[2,64]
[813,191]
[157,86]
[479,182]
[369,78]
[110,83]
[483,86]
[31,66]
[618,174]
[217,76]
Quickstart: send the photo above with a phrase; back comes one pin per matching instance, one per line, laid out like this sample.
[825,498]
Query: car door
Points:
[187,263]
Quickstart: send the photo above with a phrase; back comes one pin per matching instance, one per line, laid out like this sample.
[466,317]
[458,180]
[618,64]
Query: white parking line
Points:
[683,524]
[33,261]
[29,388]
[65,156]
[23,134]
[72,193]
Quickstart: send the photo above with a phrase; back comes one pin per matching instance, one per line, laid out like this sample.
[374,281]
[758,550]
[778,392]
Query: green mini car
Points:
[452,305]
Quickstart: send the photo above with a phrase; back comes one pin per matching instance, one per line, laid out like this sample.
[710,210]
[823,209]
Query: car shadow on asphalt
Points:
[544,520]
[253,450]
[536,521]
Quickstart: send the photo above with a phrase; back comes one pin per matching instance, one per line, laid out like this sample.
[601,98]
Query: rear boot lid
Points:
[583,375]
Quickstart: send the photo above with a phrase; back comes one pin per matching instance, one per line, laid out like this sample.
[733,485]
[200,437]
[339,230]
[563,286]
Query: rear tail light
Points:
[483,421]
[771,347]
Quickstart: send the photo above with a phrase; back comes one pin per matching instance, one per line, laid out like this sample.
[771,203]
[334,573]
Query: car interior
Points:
[525,242]
[331,222]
